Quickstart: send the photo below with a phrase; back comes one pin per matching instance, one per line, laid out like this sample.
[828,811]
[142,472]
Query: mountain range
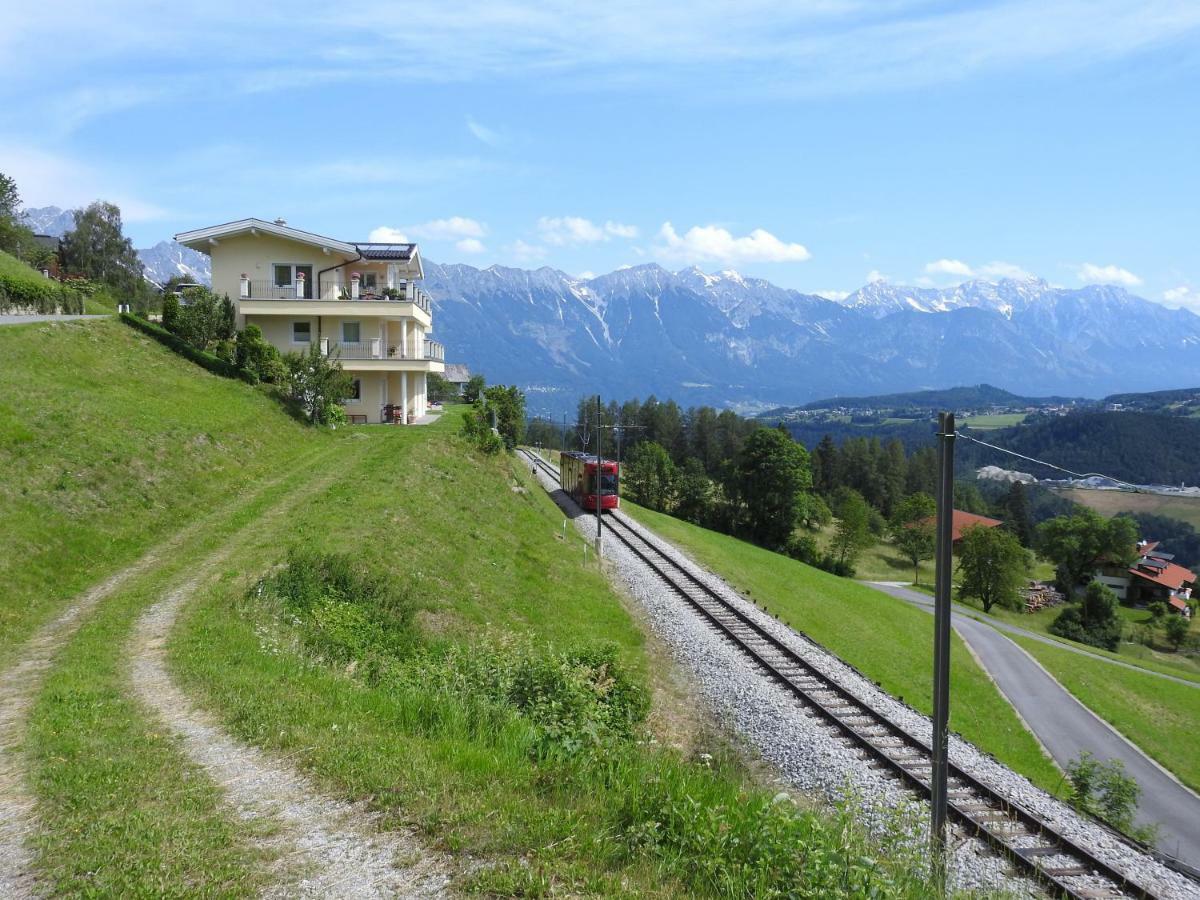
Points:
[729,340]
[725,339]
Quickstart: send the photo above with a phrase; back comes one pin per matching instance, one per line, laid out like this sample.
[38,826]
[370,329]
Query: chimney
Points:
[281,221]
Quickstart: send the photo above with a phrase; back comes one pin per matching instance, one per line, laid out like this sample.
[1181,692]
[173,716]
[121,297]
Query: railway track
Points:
[1035,846]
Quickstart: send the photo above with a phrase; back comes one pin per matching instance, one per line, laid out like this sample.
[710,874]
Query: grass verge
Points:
[1159,716]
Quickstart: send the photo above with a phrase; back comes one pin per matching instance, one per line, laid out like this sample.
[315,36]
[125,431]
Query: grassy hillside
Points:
[490,713]
[887,640]
[24,288]
[108,444]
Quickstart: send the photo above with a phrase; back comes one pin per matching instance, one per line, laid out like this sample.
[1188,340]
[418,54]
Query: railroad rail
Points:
[1034,845]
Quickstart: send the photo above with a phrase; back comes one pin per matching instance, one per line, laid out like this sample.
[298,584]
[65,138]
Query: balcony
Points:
[375,349]
[335,289]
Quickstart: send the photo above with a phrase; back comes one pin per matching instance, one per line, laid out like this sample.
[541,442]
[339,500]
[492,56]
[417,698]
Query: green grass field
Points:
[113,446]
[1001,420]
[890,641]
[1109,503]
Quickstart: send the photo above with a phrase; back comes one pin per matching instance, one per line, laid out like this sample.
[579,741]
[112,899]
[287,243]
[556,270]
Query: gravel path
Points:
[814,759]
[321,847]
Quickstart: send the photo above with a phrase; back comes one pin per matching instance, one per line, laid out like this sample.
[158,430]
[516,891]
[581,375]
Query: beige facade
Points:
[360,303]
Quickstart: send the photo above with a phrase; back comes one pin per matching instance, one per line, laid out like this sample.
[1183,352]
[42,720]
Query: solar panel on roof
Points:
[1154,564]
[1159,555]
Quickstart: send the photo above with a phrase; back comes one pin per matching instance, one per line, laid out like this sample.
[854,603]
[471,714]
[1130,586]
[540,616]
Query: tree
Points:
[1105,791]
[97,248]
[316,383]
[226,320]
[439,389]
[252,353]
[768,474]
[693,493]
[992,566]
[1016,514]
[853,533]
[15,238]
[913,530]
[1080,542]
[1176,631]
[650,474]
[1093,620]
[508,404]
[824,466]
[198,320]
[170,312]
[474,389]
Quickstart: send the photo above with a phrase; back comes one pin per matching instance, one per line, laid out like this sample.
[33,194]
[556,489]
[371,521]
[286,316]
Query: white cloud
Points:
[616,229]
[454,228]
[711,243]
[833,295]
[949,267]
[875,276]
[1182,297]
[483,133]
[1089,273]
[447,229]
[385,235]
[470,245]
[586,275]
[524,252]
[999,269]
[564,231]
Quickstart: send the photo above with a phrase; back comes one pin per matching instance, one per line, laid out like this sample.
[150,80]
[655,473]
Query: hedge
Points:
[27,290]
[214,364]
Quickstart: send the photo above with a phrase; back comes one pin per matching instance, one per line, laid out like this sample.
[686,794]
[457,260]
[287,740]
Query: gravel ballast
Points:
[815,759]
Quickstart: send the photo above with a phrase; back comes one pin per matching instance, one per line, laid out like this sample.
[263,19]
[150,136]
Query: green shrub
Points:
[206,360]
[27,290]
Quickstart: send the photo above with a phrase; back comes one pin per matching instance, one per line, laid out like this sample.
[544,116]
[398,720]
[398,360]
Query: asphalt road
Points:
[25,320]
[1066,727]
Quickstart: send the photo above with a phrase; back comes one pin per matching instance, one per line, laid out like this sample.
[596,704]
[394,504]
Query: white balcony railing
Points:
[374,348]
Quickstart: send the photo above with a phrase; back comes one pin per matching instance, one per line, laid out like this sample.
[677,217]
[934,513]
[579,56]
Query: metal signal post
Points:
[941,643]
[599,521]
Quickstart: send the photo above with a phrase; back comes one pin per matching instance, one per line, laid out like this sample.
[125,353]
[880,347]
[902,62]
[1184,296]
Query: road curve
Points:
[1066,727]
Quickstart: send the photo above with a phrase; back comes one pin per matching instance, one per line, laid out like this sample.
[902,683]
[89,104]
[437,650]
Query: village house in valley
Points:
[1153,577]
[358,302]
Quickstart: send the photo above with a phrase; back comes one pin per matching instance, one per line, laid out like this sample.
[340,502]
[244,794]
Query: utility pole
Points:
[941,646]
[599,521]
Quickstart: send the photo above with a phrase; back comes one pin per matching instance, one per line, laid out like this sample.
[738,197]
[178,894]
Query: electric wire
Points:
[1132,488]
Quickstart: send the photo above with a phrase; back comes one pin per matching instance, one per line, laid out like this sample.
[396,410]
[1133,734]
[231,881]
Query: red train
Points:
[577,474]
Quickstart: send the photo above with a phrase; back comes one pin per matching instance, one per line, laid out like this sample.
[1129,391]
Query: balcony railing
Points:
[333,289]
[373,348]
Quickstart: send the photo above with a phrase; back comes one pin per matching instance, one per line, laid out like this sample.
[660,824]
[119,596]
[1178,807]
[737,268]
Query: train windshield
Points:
[608,484]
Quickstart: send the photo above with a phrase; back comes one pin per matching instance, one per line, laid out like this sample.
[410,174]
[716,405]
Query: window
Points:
[368,281]
[283,275]
[355,391]
[301,332]
[351,332]
[286,277]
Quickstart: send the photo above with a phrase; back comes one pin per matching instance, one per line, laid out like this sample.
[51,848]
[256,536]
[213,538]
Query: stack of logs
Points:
[1039,595]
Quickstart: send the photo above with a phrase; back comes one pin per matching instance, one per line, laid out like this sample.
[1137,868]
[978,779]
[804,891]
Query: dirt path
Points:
[19,686]
[320,847]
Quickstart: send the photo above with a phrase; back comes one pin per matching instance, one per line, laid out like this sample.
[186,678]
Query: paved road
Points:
[1066,727]
[25,320]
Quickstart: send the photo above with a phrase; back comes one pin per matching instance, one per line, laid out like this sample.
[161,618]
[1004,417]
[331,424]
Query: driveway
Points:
[1066,727]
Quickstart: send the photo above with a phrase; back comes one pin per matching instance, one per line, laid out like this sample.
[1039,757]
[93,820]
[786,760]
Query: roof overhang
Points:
[204,239]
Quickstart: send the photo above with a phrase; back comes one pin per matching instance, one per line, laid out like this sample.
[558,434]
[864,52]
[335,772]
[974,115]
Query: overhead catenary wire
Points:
[1134,488]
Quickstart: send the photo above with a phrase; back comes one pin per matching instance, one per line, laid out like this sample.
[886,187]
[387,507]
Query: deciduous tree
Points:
[913,532]
[992,566]
[649,475]
[1080,542]
[770,471]
[98,249]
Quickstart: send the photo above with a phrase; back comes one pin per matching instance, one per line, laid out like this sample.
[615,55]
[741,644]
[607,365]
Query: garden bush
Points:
[23,289]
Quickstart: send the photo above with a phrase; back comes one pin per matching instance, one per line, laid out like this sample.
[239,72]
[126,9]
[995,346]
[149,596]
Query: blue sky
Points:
[818,144]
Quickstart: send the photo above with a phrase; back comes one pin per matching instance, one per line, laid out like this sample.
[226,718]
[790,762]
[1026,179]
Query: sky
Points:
[821,144]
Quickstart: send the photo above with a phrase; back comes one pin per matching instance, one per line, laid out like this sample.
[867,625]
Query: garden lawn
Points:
[110,443]
[1159,716]
[888,640]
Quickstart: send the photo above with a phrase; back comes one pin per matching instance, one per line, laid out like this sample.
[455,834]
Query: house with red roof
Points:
[1153,578]
[961,521]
